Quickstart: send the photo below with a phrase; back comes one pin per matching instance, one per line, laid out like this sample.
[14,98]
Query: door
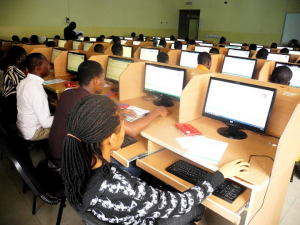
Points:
[188,24]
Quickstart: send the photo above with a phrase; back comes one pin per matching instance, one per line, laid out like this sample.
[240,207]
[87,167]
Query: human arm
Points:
[137,126]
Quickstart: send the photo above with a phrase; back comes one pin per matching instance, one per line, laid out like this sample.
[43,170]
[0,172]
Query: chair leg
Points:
[61,208]
[24,190]
[34,205]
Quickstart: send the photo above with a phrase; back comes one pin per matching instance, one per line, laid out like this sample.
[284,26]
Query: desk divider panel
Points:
[60,64]
[146,44]
[294,58]
[259,64]
[136,53]
[29,48]
[6,47]
[273,50]
[174,56]
[168,45]
[129,42]
[223,50]
[100,58]
[88,54]
[80,47]
[56,42]
[69,44]
[45,51]
[131,83]
[217,62]
[266,71]
[108,51]
[190,48]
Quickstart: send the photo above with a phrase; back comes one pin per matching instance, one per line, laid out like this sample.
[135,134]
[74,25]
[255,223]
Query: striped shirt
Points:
[12,78]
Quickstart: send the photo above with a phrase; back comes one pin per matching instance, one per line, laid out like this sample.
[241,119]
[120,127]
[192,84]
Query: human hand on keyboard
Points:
[161,111]
[129,112]
[234,168]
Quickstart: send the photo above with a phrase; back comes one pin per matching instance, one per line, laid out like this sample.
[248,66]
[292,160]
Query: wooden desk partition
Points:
[259,64]
[108,51]
[190,48]
[47,52]
[174,56]
[56,42]
[29,48]
[266,70]
[223,50]
[100,58]
[217,62]
[60,65]
[69,44]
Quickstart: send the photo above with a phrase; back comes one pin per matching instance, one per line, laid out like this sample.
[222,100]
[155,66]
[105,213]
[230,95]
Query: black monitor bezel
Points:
[116,58]
[61,49]
[234,49]
[162,94]
[193,52]
[151,49]
[75,53]
[131,50]
[232,123]
[250,59]
[278,54]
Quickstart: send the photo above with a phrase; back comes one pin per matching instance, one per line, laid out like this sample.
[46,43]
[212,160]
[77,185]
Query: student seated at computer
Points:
[214,50]
[204,61]
[222,42]
[133,35]
[162,43]
[117,40]
[172,38]
[34,119]
[117,49]
[178,45]
[25,40]
[141,37]
[95,128]
[91,81]
[15,38]
[281,75]
[50,44]
[57,37]
[262,54]
[86,38]
[273,45]
[99,48]
[13,74]
[34,39]
[163,57]
[252,47]
[192,42]
[69,33]
[284,50]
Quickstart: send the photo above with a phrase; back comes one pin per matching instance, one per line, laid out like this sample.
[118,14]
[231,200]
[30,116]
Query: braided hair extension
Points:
[92,120]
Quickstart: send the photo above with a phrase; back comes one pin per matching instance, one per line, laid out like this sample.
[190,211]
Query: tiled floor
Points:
[15,207]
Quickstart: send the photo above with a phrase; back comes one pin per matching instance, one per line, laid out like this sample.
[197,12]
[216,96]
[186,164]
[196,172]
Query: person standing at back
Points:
[69,33]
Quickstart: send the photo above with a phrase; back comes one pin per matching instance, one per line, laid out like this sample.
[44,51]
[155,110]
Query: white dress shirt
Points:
[32,105]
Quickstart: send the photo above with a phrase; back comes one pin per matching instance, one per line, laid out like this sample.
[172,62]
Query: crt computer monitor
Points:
[149,54]
[189,59]
[202,49]
[127,51]
[76,44]
[74,60]
[55,53]
[87,45]
[279,57]
[235,44]
[241,67]
[295,68]
[238,52]
[238,105]
[164,81]
[206,44]
[61,43]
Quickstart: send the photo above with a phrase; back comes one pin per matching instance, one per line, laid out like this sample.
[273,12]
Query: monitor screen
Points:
[295,81]
[189,59]
[184,47]
[82,38]
[259,46]
[76,44]
[164,81]
[236,44]
[74,60]
[170,41]
[207,44]
[149,54]
[136,42]
[61,43]
[241,67]
[127,51]
[279,57]
[167,39]
[294,52]
[202,49]
[198,41]
[50,39]
[115,67]
[240,105]
[93,39]
[238,53]
[281,47]
[257,49]
[123,42]
[233,46]
[108,40]
[128,38]
[180,39]
[87,45]
[55,53]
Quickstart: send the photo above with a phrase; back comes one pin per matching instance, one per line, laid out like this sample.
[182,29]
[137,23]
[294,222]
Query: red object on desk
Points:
[70,84]
[111,94]
[188,129]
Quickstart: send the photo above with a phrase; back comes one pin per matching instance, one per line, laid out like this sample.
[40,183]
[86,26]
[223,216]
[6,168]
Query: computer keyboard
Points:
[128,141]
[227,191]
[139,112]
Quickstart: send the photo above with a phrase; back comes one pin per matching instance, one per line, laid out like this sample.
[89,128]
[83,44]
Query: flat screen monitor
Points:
[55,53]
[238,52]
[74,60]
[238,105]
[76,44]
[61,43]
[189,59]
[233,46]
[128,38]
[115,67]
[180,39]
[108,40]
[295,81]
[294,52]
[81,39]
[257,49]
[259,46]
[184,47]
[93,39]
[241,67]
[136,42]
[167,39]
[157,38]
[207,44]
[198,41]
[123,42]
[279,57]
[202,49]
[289,48]
[127,51]
[87,45]
[149,54]
[164,81]
[170,41]
[50,39]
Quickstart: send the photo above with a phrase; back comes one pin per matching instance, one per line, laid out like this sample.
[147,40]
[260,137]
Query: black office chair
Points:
[40,180]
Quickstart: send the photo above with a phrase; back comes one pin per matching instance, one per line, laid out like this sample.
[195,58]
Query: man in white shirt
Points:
[34,120]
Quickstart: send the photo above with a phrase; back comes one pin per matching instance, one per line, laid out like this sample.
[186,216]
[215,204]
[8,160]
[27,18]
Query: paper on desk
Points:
[106,85]
[54,81]
[206,149]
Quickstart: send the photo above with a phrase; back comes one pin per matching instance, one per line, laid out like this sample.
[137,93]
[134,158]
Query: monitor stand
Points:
[163,101]
[232,132]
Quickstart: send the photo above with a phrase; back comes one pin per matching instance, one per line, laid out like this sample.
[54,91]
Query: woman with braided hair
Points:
[95,127]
